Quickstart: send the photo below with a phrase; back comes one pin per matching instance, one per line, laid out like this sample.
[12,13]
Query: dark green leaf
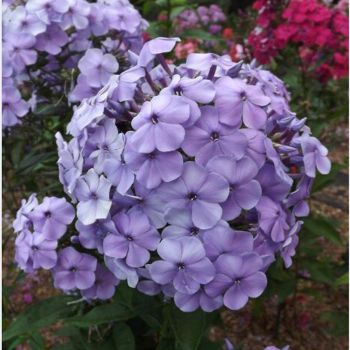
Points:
[188,328]
[123,337]
[321,227]
[39,315]
[102,314]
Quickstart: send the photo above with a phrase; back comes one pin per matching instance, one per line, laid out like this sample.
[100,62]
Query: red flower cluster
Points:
[321,34]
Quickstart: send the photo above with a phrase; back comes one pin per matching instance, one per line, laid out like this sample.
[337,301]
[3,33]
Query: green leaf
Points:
[123,337]
[198,34]
[166,344]
[188,328]
[206,344]
[39,315]
[342,280]
[321,227]
[102,314]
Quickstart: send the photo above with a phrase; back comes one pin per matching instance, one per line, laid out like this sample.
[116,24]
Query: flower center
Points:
[154,119]
[35,248]
[151,155]
[194,231]
[129,238]
[214,136]
[192,196]
[181,266]
[243,96]
[47,214]
[73,269]
[237,282]
[93,195]
[231,188]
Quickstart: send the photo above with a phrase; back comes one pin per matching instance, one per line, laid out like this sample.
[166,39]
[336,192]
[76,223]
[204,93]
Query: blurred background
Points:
[305,43]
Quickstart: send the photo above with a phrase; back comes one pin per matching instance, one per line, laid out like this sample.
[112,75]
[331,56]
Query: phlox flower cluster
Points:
[188,181]
[211,17]
[59,48]
[320,33]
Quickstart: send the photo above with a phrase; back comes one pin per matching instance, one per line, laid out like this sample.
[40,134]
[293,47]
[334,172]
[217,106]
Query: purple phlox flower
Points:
[93,193]
[216,13]
[104,285]
[22,21]
[82,90]
[225,240]
[271,184]
[238,278]
[151,204]
[108,144]
[123,86]
[290,244]
[70,163]
[198,192]
[52,216]
[134,239]
[203,62]
[154,47]
[199,89]
[236,100]
[190,302]
[27,206]
[97,67]
[271,347]
[118,170]
[184,264]
[20,49]
[48,10]
[245,192]
[122,271]
[158,125]
[209,138]
[52,40]
[266,248]
[274,157]
[123,16]
[13,106]
[98,23]
[297,199]
[275,89]
[79,42]
[181,225]
[314,156]
[272,219]
[34,251]
[149,287]
[92,236]
[89,112]
[256,145]
[153,168]
[74,270]
[76,15]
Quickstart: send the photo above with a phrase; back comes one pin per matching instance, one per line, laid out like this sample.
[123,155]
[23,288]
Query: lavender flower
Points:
[74,270]
[104,286]
[236,100]
[133,240]
[208,138]
[238,278]
[52,217]
[92,192]
[158,125]
[199,192]
[97,67]
[184,264]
